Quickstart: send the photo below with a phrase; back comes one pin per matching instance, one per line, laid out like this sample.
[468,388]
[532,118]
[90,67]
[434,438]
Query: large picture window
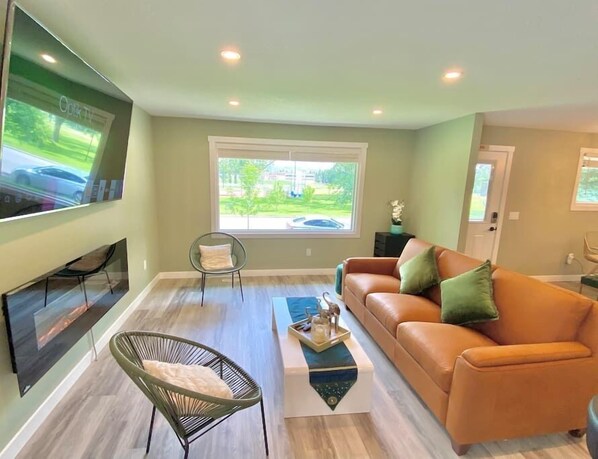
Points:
[286,187]
[585,193]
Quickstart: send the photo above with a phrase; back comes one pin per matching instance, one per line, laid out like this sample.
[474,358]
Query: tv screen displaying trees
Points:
[65,129]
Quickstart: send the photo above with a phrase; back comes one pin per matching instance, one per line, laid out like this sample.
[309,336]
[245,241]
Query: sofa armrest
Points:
[496,356]
[370,265]
[491,399]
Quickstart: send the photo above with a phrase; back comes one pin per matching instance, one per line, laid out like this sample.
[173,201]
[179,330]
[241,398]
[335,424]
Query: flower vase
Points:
[396,229]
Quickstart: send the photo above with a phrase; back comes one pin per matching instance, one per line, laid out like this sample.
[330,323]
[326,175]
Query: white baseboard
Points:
[559,278]
[25,433]
[328,271]
[180,275]
[255,273]
[289,272]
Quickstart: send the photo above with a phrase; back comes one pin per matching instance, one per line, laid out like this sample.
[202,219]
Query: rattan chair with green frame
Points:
[190,414]
[238,257]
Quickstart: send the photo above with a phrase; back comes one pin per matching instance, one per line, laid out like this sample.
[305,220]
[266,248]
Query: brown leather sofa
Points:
[531,372]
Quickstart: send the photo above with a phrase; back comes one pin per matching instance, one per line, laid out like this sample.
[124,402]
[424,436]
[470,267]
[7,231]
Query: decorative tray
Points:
[336,337]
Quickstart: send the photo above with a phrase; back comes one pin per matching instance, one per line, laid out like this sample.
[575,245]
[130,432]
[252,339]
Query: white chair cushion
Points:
[215,257]
[196,378]
[90,261]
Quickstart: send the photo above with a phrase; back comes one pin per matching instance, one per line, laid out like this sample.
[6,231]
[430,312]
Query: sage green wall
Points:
[35,245]
[441,176]
[541,187]
[183,181]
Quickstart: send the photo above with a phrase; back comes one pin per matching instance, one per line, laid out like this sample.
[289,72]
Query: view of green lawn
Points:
[31,130]
[479,195]
[322,205]
[478,207]
[290,207]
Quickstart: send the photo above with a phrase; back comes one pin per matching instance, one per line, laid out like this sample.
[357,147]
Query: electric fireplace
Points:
[48,315]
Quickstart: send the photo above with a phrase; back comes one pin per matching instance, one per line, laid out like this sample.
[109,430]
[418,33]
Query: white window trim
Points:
[574,204]
[329,148]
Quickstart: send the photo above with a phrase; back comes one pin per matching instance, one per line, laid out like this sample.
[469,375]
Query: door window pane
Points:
[479,196]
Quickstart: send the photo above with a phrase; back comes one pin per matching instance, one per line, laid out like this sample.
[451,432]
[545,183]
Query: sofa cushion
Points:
[435,347]
[451,264]
[362,284]
[414,247]
[467,298]
[532,311]
[391,309]
[419,273]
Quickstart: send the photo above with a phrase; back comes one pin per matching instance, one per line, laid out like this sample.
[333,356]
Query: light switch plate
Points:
[513,215]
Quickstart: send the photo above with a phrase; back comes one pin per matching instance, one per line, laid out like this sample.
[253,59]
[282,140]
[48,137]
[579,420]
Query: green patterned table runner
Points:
[331,372]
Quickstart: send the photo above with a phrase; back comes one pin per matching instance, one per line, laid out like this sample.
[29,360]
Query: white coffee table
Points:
[300,399]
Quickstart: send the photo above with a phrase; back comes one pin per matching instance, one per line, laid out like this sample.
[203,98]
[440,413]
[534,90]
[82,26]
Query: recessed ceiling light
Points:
[377,111]
[230,55]
[453,74]
[48,58]
[234,103]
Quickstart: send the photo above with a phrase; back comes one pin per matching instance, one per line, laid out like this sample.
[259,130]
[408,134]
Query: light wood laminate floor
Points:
[106,416]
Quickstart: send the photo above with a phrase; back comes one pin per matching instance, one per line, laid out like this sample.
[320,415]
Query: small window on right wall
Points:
[585,193]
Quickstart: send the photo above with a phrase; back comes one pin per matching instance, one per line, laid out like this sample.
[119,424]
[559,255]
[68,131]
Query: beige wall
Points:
[442,173]
[37,244]
[184,196]
[541,186]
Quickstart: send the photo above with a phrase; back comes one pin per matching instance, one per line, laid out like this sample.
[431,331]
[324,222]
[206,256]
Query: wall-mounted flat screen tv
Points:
[65,127]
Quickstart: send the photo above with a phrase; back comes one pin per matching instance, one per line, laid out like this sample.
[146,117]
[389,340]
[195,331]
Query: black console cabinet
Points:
[390,245]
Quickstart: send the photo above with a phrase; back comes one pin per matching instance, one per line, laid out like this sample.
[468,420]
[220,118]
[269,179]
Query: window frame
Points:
[574,204]
[328,148]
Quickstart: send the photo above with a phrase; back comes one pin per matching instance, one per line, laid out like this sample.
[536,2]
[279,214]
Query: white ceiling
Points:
[531,63]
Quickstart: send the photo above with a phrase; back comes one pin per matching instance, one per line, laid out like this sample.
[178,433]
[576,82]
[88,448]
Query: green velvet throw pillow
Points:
[419,273]
[467,298]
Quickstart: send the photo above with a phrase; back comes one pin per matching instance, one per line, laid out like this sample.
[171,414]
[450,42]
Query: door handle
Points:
[492,228]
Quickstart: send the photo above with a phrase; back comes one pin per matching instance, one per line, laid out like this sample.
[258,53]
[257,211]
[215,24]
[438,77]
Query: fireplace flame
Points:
[61,324]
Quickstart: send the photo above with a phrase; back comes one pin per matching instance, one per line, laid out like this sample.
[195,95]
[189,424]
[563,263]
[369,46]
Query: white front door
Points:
[486,203]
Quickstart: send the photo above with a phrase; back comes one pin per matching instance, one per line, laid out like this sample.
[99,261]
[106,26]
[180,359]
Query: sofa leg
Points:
[459,448]
[577,433]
